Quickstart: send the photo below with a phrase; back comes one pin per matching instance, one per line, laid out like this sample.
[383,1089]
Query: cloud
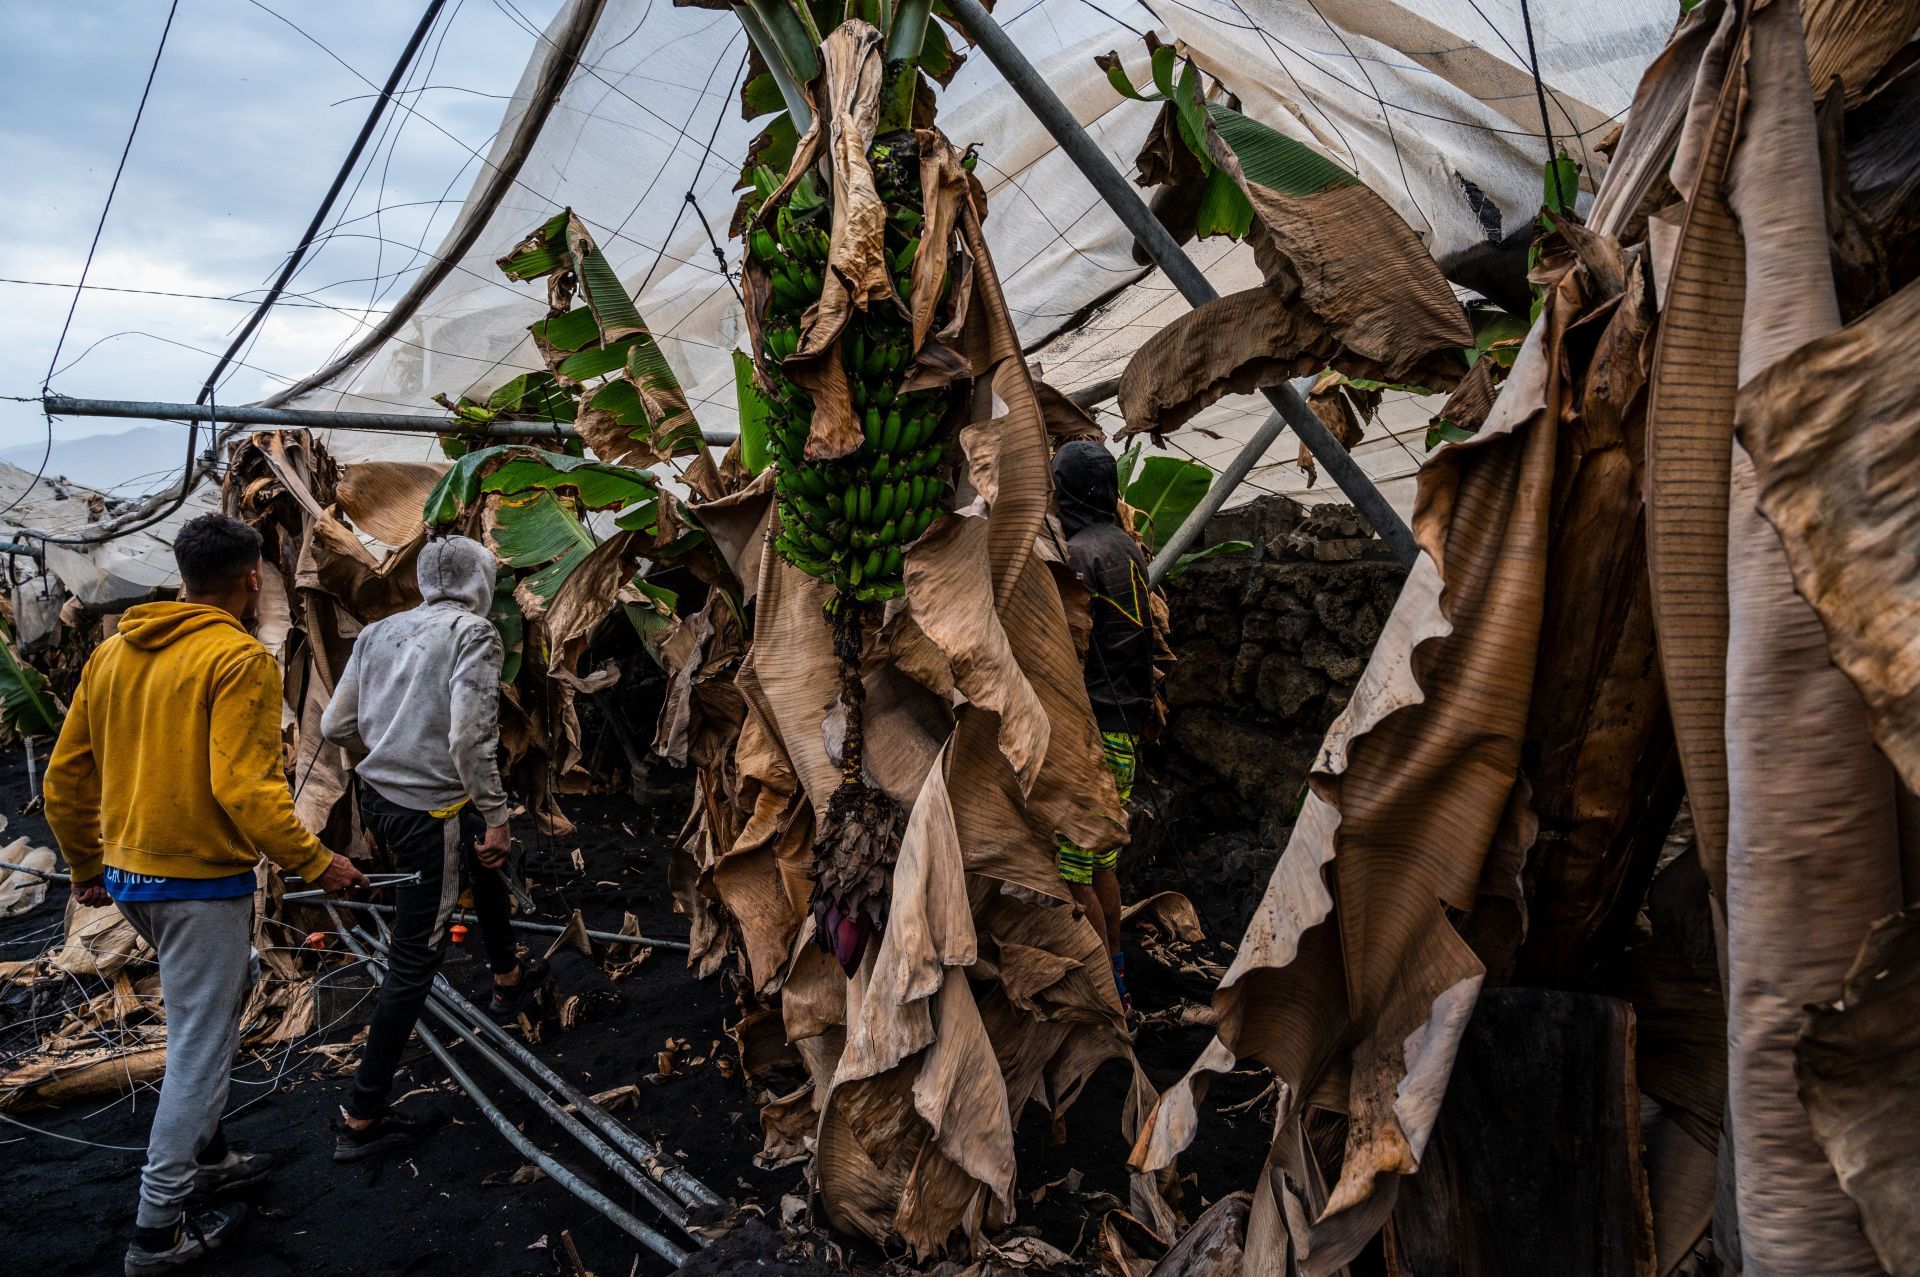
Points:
[241,136]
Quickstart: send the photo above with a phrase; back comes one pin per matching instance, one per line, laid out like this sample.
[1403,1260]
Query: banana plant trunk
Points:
[844,295]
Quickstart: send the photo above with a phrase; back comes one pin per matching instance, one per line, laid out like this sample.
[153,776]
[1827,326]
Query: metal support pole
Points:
[647,1236]
[674,1177]
[546,928]
[1172,259]
[441,1002]
[323,419]
[29,870]
[1223,485]
[1091,397]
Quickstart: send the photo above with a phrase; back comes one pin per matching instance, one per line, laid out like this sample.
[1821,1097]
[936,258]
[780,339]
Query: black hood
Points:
[1087,484]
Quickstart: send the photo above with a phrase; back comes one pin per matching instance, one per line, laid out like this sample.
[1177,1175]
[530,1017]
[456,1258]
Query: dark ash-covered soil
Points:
[447,1206]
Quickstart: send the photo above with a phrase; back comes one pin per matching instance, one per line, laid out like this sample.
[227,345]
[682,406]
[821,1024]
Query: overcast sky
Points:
[247,122]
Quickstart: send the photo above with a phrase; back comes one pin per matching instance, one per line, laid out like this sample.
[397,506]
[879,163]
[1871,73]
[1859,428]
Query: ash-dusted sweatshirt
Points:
[420,697]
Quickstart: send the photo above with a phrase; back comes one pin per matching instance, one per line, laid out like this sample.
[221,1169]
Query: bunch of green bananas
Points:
[848,521]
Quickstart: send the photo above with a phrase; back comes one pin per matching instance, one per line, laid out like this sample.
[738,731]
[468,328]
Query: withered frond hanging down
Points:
[910,703]
[321,586]
[1488,807]
[1348,283]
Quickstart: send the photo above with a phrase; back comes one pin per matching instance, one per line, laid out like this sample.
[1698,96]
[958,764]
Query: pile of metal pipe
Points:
[652,1174]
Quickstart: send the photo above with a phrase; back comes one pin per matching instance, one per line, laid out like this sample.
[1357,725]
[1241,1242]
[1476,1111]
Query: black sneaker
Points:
[389,1131]
[509,998]
[199,1231]
[234,1172]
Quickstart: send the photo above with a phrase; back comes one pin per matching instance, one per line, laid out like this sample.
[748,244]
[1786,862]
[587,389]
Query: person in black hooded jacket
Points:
[1119,665]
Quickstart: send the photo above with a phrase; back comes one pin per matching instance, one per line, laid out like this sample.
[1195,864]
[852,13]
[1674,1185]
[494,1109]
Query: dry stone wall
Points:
[1270,643]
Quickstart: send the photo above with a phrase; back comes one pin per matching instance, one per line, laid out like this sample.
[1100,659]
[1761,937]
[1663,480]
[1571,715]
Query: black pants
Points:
[438,848]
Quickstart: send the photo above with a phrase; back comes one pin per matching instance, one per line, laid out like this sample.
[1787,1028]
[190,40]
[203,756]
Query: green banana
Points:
[845,522]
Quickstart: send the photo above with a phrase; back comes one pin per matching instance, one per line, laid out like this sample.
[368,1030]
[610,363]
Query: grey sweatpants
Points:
[206,950]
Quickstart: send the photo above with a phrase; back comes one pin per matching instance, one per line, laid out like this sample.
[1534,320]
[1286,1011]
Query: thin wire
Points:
[719,254]
[1546,121]
[394,80]
[99,227]
[72,1139]
[112,189]
[1386,117]
[159,292]
[1573,125]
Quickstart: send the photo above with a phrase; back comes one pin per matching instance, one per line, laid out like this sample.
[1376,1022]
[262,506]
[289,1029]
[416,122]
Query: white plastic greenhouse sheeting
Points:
[1415,96]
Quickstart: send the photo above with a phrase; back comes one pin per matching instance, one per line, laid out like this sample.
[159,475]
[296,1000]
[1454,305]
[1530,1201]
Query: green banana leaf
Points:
[1163,494]
[669,428]
[1224,208]
[540,253]
[570,331]
[512,626]
[653,620]
[1267,158]
[761,96]
[1274,160]
[755,447]
[1192,557]
[542,539]
[512,468]
[27,705]
[533,396]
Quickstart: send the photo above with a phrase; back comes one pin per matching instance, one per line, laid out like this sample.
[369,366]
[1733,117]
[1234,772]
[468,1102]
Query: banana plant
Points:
[853,285]
[786,36]
[27,704]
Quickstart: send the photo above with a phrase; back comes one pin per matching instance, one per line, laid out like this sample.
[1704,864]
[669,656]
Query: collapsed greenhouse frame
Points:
[1464,595]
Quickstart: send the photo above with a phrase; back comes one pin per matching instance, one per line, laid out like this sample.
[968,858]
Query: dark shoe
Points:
[197,1233]
[234,1172]
[509,998]
[389,1131]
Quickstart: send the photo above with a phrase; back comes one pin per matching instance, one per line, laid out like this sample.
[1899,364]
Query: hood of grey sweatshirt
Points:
[420,697]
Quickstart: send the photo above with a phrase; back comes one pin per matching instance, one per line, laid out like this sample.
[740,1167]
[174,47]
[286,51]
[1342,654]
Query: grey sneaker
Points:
[231,1174]
[157,1250]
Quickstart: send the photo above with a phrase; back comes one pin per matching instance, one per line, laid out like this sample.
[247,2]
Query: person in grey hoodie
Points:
[419,704]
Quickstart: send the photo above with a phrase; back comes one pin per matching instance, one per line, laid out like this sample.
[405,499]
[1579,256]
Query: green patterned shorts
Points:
[1078,865]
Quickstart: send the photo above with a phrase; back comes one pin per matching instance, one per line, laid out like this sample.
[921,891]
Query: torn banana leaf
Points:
[515,468]
[27,705]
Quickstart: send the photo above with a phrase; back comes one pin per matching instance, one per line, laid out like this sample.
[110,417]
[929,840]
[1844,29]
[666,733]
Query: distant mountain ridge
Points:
[127,463]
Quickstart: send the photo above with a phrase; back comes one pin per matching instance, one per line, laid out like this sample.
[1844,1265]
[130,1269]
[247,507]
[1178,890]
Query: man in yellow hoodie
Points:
[165,789]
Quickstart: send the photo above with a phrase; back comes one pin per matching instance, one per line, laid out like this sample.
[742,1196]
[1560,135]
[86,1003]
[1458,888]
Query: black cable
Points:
[112,189]
[1546,121]
[719,254]
[100,226]
[326,205]
[188,473]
